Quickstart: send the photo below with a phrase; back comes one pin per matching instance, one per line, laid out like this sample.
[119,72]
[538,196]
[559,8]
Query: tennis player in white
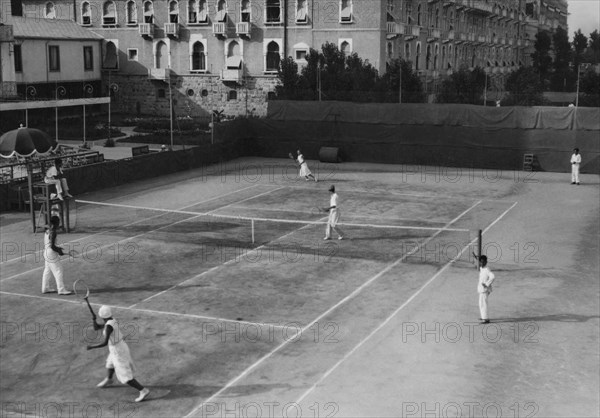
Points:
[304,170]
[119,359]
[575,163]
[484,288]
[52,264]
[334,215]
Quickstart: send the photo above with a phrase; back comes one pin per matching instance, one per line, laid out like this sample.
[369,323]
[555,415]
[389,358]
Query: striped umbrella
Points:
[26,142]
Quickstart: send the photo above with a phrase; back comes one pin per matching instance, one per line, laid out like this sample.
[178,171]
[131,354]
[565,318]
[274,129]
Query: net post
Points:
[479,244]
[252,221]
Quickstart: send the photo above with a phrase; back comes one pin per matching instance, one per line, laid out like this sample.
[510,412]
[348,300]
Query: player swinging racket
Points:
[304,170]
[119,359]
[334,215]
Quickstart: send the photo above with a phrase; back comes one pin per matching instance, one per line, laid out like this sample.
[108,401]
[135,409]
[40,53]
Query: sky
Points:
[584,15]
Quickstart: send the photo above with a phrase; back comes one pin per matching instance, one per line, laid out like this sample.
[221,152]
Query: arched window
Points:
[109,13]
[437,18]
[111,57]
[245,11]
[148,12]
[346,11]
[198,57]
[173,11]
[50,11]
[221,11]
[131,13]
[345,48]
[161,58]
[272,56]
[427,57]
[390,50]
[407,52]
[419,15]
[86,13]
[302,11]
[418,58]
[273,11]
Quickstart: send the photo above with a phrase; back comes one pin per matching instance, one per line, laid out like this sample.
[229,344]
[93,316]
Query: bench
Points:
[140,150]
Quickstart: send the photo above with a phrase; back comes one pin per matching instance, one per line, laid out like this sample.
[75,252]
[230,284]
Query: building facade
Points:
[203,55]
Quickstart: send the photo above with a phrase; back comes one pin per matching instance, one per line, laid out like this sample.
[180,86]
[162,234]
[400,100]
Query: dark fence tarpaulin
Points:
[447,135]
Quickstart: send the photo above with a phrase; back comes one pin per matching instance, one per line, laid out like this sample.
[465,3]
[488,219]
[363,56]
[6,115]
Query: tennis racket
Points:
[82,290]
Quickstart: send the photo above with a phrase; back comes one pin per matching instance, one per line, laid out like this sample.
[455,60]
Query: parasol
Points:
[27,142]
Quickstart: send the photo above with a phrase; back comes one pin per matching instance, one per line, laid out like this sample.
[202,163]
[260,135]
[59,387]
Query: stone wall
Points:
[193,95]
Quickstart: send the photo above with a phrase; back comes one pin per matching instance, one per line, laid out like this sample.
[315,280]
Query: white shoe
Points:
[326,238]
[143,393]
[106,382]
[315,179]
[68,195]
[340,238]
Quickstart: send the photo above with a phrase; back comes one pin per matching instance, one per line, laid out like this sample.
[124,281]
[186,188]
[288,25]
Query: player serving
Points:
[304,170]
[119,359]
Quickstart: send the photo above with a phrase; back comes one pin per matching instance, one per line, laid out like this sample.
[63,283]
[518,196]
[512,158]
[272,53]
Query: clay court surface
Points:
[381,324]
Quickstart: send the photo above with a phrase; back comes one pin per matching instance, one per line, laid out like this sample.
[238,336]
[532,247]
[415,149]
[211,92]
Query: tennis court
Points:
[234,305]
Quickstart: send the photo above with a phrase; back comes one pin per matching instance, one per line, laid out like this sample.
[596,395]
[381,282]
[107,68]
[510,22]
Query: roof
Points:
[50,29]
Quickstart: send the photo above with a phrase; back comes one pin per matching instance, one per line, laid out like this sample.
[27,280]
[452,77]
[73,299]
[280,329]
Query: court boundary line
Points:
[328,311]
[393,314]
[154,311]
[194,215]
[132,223]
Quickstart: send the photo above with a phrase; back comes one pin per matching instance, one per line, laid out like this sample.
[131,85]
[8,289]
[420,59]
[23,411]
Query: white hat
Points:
[104,312]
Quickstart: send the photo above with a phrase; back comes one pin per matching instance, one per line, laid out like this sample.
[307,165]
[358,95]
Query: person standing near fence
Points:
[575,163]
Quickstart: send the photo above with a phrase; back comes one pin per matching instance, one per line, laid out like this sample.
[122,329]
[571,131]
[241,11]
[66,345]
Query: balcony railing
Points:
[219,28]
[147,29]
[412,32]
[231,74]
[163,74]
[448,36]
[394,28]
[172,29]
[243,28]
[433,34]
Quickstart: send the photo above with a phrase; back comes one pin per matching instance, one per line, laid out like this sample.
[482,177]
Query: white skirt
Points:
[304,171]
[334,217]
[119,358]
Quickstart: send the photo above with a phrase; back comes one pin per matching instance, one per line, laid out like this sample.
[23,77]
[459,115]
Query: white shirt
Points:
[576,158]
[333,201]
[52,172]
[300,159]
[485,277]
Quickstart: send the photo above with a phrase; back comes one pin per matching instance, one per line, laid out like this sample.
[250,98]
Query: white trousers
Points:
[334,217]
[61,184]
[575,173]
[483,305]
[53,268]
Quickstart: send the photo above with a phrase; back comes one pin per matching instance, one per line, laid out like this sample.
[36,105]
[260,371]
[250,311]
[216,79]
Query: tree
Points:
[589,88]
[592,54]
[580,42]
[463,86]
[524,88]
[412,87]
[289,80]
[563,78]
[541,57]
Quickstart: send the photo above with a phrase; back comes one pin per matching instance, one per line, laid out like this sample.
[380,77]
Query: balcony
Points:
[219,29]
[481,39]
[471,37]
[510,41]
[243,28]
[519,42]
[147,30]
[502,41]
[433,35]
[462,37]
[412,32]
[6,33]
[448,36]
[161,74]
[395,29]
[172,29]
[231,74]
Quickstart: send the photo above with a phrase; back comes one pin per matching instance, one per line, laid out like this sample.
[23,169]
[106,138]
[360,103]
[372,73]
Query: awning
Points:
[234,62]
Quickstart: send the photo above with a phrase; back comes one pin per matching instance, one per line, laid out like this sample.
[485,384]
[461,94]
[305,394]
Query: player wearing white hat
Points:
[119,358]
[52,264]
